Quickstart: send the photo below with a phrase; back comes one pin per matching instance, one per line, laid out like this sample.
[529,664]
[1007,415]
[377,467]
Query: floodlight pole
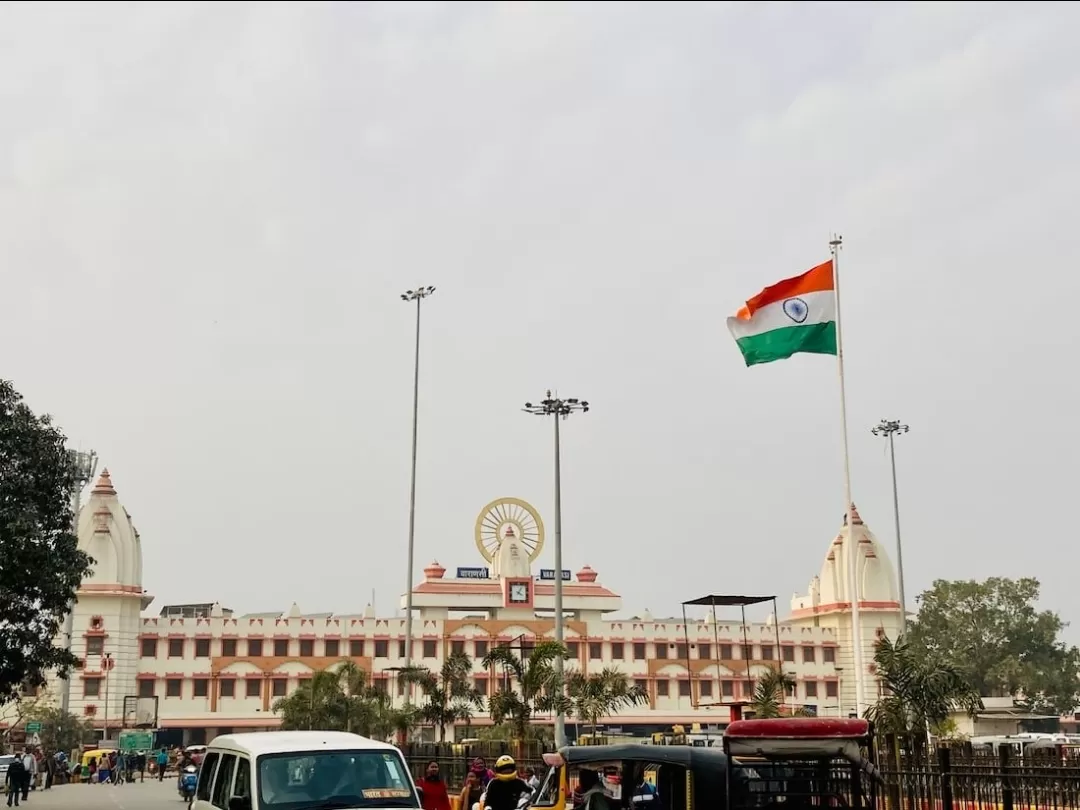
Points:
[417,295]
[560,409]
[888,429]
[83,466]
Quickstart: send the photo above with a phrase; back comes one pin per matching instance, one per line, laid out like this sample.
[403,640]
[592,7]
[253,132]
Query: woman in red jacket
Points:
[434,788]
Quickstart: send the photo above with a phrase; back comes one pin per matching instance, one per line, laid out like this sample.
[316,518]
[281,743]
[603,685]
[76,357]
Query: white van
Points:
[303,770]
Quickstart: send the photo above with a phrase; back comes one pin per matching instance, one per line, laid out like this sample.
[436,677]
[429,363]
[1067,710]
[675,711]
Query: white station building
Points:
[195,671]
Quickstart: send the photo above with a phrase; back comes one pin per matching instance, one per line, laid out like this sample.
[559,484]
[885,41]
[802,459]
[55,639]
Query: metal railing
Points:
[958,779]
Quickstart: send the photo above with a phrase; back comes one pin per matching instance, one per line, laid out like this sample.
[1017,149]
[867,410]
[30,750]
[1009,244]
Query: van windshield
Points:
[334,780]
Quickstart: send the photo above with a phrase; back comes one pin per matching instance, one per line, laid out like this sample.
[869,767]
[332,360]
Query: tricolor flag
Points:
[794,315]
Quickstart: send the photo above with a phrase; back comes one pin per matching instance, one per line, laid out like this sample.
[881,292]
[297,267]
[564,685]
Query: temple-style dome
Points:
[104,485]
[434,571]
[107,534]
[874,571]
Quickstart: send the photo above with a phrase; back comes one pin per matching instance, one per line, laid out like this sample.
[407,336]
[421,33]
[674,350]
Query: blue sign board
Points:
[549,574]
[472,573]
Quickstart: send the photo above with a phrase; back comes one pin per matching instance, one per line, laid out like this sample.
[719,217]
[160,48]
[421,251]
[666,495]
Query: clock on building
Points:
[519,592]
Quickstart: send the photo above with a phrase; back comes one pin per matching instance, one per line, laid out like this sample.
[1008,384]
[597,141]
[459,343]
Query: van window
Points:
[206,776]
[363,778]
[224,781]
[242,785]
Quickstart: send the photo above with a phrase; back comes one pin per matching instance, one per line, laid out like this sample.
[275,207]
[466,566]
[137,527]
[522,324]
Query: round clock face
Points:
[519,592]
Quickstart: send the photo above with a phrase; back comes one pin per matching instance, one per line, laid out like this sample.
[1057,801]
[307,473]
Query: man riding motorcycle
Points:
[504,792]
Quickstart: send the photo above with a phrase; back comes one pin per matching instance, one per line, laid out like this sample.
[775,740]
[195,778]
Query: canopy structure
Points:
[728,600]
[720,600]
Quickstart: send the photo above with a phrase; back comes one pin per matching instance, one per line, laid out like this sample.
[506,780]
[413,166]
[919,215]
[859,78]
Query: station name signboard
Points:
[472,573]
[549,574]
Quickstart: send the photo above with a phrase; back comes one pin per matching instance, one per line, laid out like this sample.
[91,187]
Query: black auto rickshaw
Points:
[799,763]
[677,777]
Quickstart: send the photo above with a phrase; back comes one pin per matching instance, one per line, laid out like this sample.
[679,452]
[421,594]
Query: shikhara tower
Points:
[107,613]
[828,603]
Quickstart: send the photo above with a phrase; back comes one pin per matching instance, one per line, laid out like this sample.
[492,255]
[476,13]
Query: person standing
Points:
[30,766]
[472,792]
[50,771]
[14,783]
[140,763]
[162,762]
[434,796]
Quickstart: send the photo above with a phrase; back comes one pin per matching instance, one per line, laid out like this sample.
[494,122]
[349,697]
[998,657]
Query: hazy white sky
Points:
[207,213]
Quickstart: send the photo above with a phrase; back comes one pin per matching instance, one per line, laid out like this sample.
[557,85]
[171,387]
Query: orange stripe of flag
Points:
[816,279]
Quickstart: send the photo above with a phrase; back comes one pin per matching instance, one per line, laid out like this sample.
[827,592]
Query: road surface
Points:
[139,796]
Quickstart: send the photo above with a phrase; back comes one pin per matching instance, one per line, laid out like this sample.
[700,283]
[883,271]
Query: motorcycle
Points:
[188,780]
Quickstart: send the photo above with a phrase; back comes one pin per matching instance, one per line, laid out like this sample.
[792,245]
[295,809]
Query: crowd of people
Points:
[31,768]
[501,787]
[504,787]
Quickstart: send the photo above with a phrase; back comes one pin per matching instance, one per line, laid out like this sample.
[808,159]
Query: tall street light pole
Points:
[107,665]
[560,409]
[417,295]
[889,429]
[83,466]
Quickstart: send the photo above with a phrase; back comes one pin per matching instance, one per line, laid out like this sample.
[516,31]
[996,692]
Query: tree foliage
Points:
[919,692]
[534,685]
[343,699]
[505,733]
[40,562]
[992,634]
[602,694]
[61,731]
[449,693]
[770,697]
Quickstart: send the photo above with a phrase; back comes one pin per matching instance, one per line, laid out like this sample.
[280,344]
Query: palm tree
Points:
[343,699]
[450,694]
[317,703]
[602,694]
[539,688]
[918,693]
[770,696]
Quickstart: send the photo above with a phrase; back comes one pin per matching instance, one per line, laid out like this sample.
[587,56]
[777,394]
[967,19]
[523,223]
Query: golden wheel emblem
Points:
[509,517]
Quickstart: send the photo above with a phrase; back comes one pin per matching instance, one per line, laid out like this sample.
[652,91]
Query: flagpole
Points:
[851,553]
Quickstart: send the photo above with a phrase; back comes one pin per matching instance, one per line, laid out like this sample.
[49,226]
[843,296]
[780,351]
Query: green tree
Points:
[992,634]
[61,731]
[42,565]
[771,693]
[449,693]
[602,694]
[343,699]
[19,710]
[919,692]
[505,733]
[534,685]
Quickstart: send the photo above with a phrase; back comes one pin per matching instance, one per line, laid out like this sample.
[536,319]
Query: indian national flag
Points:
[794,315]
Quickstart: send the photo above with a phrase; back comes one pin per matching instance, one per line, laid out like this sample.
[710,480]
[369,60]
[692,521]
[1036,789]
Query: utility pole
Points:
[560,409]
[888,429]
[84,466]
[106,664]
[417,295]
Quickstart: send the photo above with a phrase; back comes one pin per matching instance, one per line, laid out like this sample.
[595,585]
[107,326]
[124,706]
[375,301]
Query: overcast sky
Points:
[208,212]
